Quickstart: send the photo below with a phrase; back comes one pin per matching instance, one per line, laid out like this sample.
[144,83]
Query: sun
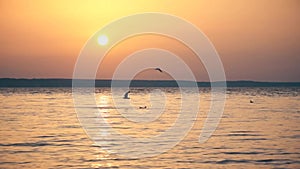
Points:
[102,40]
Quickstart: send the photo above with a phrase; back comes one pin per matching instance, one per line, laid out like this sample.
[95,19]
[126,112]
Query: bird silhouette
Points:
[158,69]
[126,95]
[143,107]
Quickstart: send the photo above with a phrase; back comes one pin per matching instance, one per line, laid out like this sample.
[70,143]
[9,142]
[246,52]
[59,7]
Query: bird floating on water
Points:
[126,95]
[143,107]
[159,69]
[251,101]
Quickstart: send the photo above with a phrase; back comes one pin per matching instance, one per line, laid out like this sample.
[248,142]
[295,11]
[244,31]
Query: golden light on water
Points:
[29,140]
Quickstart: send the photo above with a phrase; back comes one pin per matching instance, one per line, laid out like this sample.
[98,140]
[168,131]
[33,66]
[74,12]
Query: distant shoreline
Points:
[12,82]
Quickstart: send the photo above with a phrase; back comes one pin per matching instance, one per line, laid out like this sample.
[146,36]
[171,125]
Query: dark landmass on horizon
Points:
[11,82]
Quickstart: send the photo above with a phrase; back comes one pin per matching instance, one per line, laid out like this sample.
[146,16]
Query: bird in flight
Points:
[158,69]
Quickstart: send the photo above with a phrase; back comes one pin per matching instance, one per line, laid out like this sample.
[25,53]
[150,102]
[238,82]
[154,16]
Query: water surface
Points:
[40,129]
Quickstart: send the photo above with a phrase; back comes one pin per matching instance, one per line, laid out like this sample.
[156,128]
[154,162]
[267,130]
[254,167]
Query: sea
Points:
[259,128]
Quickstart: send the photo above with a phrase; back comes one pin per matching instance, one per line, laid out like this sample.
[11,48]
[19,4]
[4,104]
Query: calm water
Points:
[40,129]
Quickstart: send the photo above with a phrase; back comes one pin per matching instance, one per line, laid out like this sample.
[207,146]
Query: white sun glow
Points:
[102,40]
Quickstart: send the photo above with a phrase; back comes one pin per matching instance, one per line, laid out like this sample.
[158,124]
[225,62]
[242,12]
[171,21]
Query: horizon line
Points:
[171,80]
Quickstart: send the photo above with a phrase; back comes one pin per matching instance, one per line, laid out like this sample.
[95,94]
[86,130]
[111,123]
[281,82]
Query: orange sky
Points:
[256,39]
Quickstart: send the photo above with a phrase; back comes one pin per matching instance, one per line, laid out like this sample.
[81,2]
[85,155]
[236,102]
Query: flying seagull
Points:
[158,69]
[126,95]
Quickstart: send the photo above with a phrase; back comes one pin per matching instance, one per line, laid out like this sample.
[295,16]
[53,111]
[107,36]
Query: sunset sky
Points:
[256,39]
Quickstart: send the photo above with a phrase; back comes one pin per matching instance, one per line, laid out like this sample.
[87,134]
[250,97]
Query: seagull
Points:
[158,69]
[251,101]
[143,107]
[126,95]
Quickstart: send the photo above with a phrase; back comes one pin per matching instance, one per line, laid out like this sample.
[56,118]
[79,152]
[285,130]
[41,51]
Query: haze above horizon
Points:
[256,40]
